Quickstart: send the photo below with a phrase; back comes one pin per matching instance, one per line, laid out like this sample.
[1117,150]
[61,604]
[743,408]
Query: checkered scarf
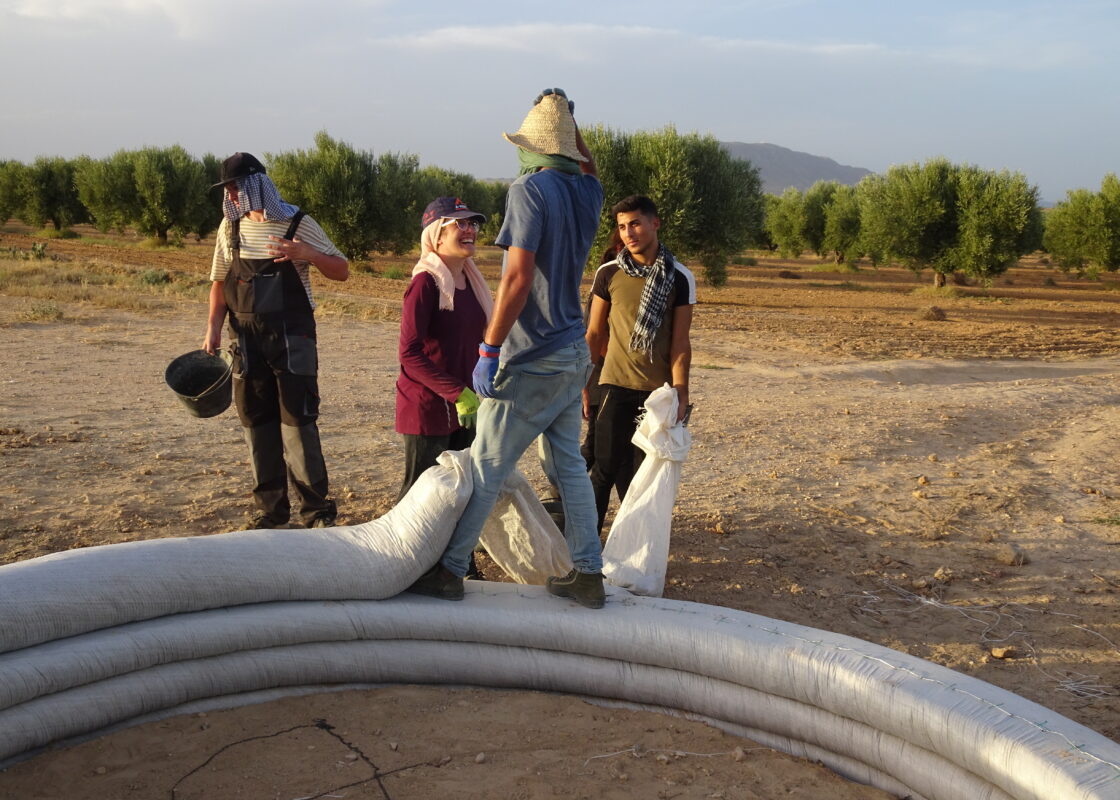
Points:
[257,192]
[655,296]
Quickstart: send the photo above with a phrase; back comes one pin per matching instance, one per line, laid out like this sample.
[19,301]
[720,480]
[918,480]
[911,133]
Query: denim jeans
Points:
[537,397]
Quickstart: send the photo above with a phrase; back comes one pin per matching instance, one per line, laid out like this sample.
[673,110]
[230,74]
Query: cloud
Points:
[581,42]
[205,20]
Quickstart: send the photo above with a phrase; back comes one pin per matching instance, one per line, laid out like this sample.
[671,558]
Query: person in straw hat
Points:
[533,359]
[261,283]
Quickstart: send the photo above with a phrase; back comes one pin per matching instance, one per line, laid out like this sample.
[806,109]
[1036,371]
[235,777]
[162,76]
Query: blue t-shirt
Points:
[554,215]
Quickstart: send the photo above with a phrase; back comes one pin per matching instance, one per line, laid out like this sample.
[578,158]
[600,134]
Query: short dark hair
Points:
[635,202]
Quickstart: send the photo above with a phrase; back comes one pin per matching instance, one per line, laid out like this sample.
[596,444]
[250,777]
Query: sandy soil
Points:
[944,488]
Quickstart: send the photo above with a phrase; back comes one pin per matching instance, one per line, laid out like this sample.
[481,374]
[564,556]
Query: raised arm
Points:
[586,167]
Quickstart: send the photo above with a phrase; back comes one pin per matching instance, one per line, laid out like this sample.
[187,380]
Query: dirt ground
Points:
[945,488]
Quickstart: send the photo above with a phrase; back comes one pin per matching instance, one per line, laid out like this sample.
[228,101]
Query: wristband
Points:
[488,350]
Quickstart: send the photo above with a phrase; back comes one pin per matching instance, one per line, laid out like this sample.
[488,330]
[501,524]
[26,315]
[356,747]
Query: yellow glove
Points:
[466,405]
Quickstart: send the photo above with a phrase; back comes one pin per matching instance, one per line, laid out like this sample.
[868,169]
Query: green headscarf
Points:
[531,162]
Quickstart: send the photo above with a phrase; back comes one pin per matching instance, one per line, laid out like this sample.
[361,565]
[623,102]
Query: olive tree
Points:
[11,189]
[107,188]
[364,202]
[171,190]
[1083,231]
[208,215]
[333,182]
[618,174]
[909,215]
[785,222]
[998,220]
[397,203]
[49,195]
[815,204]
[156,190]
[949,218]
[842,226]
[710,204]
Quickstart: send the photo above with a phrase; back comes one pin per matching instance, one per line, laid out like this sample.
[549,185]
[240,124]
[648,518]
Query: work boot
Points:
[323,521]
[438,582]
[586,588]
[262,520]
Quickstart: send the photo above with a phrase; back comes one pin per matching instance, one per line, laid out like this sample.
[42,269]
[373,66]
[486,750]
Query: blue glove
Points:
[485,370]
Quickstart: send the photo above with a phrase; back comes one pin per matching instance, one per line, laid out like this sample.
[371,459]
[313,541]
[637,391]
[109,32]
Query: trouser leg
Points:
[548,467]
[498,444]
[303,449]
[630,455]
[580,530]
[529,399]
[587,449]
[422,452]
[616,458]
[257,402]
[270,478]
[303,454]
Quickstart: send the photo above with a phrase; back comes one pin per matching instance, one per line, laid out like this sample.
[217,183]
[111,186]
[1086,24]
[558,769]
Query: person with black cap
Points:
[445,311]
[533,360]
[261,282]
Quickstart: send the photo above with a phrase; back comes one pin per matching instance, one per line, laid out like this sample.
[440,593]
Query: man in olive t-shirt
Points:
[641,313]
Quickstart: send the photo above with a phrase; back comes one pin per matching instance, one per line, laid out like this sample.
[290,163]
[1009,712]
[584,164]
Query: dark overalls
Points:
[275,364]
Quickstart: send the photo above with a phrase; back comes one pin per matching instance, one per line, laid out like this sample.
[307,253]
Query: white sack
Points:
[637,551]
[81,590]
[945,735]
[521,537]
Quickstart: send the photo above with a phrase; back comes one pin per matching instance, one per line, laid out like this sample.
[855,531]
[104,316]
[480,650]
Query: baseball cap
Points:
[451,207]
[239,165]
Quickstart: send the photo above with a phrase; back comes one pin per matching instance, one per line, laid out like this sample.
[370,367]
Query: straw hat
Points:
[548,130]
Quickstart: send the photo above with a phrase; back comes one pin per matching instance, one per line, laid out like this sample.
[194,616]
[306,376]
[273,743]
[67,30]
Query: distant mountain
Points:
[780,167]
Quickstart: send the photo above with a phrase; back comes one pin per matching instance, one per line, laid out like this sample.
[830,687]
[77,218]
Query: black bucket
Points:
[202,382]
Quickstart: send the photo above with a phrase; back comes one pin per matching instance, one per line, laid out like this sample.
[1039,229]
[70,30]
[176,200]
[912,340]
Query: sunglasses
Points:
[463,224]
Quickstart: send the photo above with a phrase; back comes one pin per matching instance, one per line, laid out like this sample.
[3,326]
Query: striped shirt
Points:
[255,242]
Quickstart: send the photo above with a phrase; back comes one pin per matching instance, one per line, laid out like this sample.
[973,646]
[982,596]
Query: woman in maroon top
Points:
[445,311]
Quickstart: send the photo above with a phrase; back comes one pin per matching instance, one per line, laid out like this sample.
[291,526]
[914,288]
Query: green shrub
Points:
[43,312]
[393,273]
[51,233]
[936,291]
[155,277]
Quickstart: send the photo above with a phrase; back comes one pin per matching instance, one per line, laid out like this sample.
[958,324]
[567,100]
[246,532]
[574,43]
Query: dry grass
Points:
[106,285]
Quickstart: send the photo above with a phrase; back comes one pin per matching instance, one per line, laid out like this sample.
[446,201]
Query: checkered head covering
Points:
[257,192]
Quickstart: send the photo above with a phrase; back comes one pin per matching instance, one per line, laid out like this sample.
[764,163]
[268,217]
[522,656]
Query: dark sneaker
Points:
[325,521]
[438,582]
[262,520]
[586,588]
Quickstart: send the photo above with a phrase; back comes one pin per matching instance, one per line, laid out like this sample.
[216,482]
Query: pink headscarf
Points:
[431,263]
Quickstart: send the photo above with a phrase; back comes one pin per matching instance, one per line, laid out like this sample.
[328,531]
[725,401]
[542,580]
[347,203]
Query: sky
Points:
[1025,86]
